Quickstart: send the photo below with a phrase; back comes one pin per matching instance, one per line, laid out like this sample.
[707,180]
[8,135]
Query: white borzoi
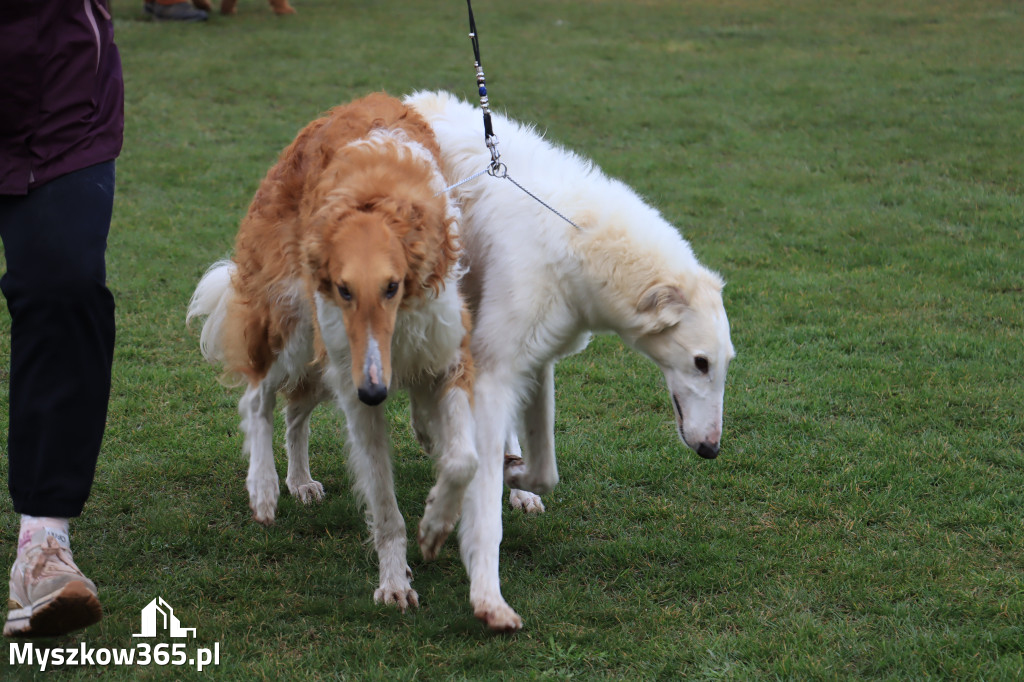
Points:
[538,287]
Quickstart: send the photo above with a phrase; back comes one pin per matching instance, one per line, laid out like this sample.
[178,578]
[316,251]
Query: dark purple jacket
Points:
[61,90]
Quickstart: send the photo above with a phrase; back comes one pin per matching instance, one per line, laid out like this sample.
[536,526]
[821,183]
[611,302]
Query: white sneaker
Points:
[49,595]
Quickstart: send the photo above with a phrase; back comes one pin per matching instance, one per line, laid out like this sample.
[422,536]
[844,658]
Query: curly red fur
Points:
[318,182]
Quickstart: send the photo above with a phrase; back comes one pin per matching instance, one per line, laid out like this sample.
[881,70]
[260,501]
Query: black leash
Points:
[496,169]
[481,85]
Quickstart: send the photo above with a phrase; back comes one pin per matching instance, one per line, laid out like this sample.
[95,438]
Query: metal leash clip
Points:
[492,144]
[497,170]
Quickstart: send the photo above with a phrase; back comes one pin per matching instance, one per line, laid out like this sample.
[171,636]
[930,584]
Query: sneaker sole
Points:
[70,608]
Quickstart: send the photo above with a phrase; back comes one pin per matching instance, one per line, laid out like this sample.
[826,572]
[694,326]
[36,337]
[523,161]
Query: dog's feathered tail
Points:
[210,300]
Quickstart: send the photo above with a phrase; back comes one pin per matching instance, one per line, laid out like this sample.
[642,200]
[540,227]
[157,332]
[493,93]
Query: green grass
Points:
[854,171]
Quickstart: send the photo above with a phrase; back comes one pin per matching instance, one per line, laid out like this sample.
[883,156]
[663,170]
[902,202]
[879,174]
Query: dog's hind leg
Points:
[444,417]
[300,406]
[537,472]
[370,462]
[257,410]
[519,499]
[423,411]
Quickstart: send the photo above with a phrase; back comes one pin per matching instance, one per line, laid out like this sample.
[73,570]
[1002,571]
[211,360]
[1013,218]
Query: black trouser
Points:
[62,338]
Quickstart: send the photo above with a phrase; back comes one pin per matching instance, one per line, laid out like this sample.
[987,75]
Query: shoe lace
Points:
[52,558]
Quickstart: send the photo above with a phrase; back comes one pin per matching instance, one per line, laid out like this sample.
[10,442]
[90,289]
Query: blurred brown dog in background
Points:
[229,6]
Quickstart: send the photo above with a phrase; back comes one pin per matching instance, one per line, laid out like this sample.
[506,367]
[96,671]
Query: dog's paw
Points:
[432,536]
[402,596]
[526,501]
[498,616]
[306,493]
[263,503]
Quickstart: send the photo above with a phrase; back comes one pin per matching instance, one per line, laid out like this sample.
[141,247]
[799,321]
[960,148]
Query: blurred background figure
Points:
[177,10]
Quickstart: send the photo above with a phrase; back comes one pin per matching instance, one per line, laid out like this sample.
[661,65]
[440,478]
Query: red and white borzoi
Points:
[343,286]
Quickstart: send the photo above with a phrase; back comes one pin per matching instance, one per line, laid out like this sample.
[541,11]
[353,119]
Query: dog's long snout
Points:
[708,450]
[373,389]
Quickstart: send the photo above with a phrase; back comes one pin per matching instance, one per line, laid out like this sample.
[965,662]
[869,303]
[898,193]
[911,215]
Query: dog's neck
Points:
[614,267]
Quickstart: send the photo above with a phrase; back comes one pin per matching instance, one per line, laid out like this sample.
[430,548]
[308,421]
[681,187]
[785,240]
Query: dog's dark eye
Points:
[344,292]
[391,290]
[701,363]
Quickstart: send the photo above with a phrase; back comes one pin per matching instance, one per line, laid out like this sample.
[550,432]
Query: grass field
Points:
[853,169]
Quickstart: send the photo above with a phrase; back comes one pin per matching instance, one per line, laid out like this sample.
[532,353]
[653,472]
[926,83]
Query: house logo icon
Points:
[158,614]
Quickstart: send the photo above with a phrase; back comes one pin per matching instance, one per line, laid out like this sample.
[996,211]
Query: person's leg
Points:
[62,342]
[62,338]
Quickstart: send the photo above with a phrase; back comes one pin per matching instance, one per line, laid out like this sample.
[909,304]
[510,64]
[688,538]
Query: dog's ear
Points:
[428,243]
[662,305]
[314,251]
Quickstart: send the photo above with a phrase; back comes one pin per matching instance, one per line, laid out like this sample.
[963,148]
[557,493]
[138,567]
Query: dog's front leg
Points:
[537,472]
[370,463]
[480,529]
[445,421]
[257,410]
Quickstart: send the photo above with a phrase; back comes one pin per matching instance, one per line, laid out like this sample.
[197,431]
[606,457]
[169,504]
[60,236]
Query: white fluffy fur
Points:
[425,348]
[538,288]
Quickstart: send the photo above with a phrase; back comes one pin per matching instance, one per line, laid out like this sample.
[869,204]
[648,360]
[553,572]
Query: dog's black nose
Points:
[373,394]
[708,450]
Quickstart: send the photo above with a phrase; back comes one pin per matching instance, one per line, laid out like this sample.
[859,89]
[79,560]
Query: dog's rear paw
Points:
[402,596]
[498,616]
[526,501]
[307,493]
